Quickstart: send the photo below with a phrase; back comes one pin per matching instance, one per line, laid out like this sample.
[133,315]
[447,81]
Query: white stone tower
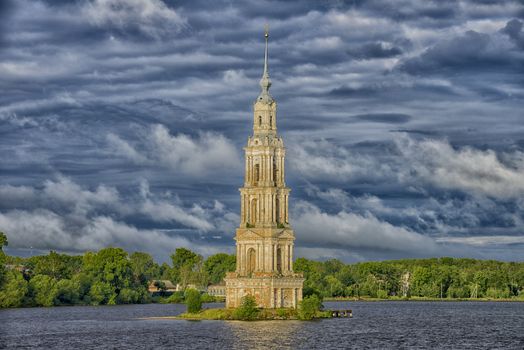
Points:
[264,240]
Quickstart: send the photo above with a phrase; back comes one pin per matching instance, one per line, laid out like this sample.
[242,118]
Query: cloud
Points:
[482,241]
[356,232]
[471,51]
[417,162]
[161,93]
[388,118]
[467,169]
[69,217]
[206,155]
[151,17]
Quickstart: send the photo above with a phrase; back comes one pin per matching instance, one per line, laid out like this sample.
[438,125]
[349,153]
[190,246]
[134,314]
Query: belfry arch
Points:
[253,211]
[251,261]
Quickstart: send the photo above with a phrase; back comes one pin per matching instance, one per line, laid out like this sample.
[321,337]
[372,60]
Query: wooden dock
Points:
[341,313]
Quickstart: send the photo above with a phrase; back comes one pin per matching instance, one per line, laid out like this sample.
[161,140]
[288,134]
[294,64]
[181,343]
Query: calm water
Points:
[375,325]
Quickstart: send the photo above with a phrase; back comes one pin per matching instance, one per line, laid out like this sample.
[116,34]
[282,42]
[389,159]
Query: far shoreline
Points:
[419,299]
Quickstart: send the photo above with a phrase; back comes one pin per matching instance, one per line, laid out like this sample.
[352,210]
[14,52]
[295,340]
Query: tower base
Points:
[270,291]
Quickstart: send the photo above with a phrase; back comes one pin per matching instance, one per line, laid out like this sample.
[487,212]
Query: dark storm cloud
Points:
[388,118]
[126,119]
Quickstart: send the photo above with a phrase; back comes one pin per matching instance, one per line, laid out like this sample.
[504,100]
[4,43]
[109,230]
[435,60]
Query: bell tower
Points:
[264,239]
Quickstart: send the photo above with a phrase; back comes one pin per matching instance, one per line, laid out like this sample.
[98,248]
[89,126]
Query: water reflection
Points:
[265,334]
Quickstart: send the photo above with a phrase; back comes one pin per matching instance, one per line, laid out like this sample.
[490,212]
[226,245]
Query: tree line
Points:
[113,276]
[411,278]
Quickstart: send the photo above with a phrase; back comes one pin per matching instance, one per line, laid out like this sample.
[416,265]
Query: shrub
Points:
[193,301]
[382,294]
[175,298]
[308,307]
[248,309]
[206,298]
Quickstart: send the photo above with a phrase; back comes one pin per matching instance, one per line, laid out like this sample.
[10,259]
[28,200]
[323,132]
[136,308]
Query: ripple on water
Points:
[375,325]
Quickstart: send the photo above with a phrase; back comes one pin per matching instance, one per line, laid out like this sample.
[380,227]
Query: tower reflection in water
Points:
[264,334]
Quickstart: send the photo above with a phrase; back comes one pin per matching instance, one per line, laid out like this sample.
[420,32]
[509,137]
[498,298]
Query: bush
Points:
[382,294]
[248,309]
[495,293]
[308,307]
[14,290]
[193,301]
[175,298]
[206,298]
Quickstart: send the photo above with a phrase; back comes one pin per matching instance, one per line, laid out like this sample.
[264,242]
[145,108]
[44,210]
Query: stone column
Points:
[287,216]
[275,257]
[238,258]
[291,257]
[257,264]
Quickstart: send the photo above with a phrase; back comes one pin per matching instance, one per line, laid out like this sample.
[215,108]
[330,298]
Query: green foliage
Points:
[248,309]
[193,301]
[3,242]
[68,292]
[144,267]
[57,266]
[187,268]
[44,290]
[102,293]
[111,276]
[308,307]
[175,298]
[206,298]
[14,290]
[217,265]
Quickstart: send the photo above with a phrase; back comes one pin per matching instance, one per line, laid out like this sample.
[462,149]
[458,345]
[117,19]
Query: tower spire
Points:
[265,82]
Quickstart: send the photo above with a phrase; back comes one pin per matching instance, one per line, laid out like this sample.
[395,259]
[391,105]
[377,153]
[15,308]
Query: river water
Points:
[375,325]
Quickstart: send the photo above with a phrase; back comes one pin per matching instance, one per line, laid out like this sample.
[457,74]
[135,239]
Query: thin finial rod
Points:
[266,35]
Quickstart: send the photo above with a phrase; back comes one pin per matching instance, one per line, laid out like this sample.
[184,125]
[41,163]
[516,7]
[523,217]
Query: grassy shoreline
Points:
[224,314]
[415,299]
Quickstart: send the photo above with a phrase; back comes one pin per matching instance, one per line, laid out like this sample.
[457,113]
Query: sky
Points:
[123,122]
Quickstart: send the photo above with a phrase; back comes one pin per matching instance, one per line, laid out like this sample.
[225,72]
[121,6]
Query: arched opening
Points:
[271,122]
[257,173]
[253,214]
[277,209]
[279,260]
[275,170]
[251,260]
[259,120]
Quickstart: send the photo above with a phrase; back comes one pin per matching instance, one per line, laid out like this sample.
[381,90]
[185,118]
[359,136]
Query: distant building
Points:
[162,287]
[217,290]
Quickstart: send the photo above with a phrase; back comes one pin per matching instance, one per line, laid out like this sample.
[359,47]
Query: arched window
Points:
[253,214]
[259,120]
[257,172]
[279,260]
[271,122]
[275,170]
[251,260]
[277,209]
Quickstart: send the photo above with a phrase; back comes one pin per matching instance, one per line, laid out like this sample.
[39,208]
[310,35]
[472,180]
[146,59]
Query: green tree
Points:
[248,309]
[3,242]
[111,270]
[44,290]
[68,292]
[57,266]
[217,265]
[183,257]
[102,293]
[144,267]
[193,301]
[308,307]
[14,290]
